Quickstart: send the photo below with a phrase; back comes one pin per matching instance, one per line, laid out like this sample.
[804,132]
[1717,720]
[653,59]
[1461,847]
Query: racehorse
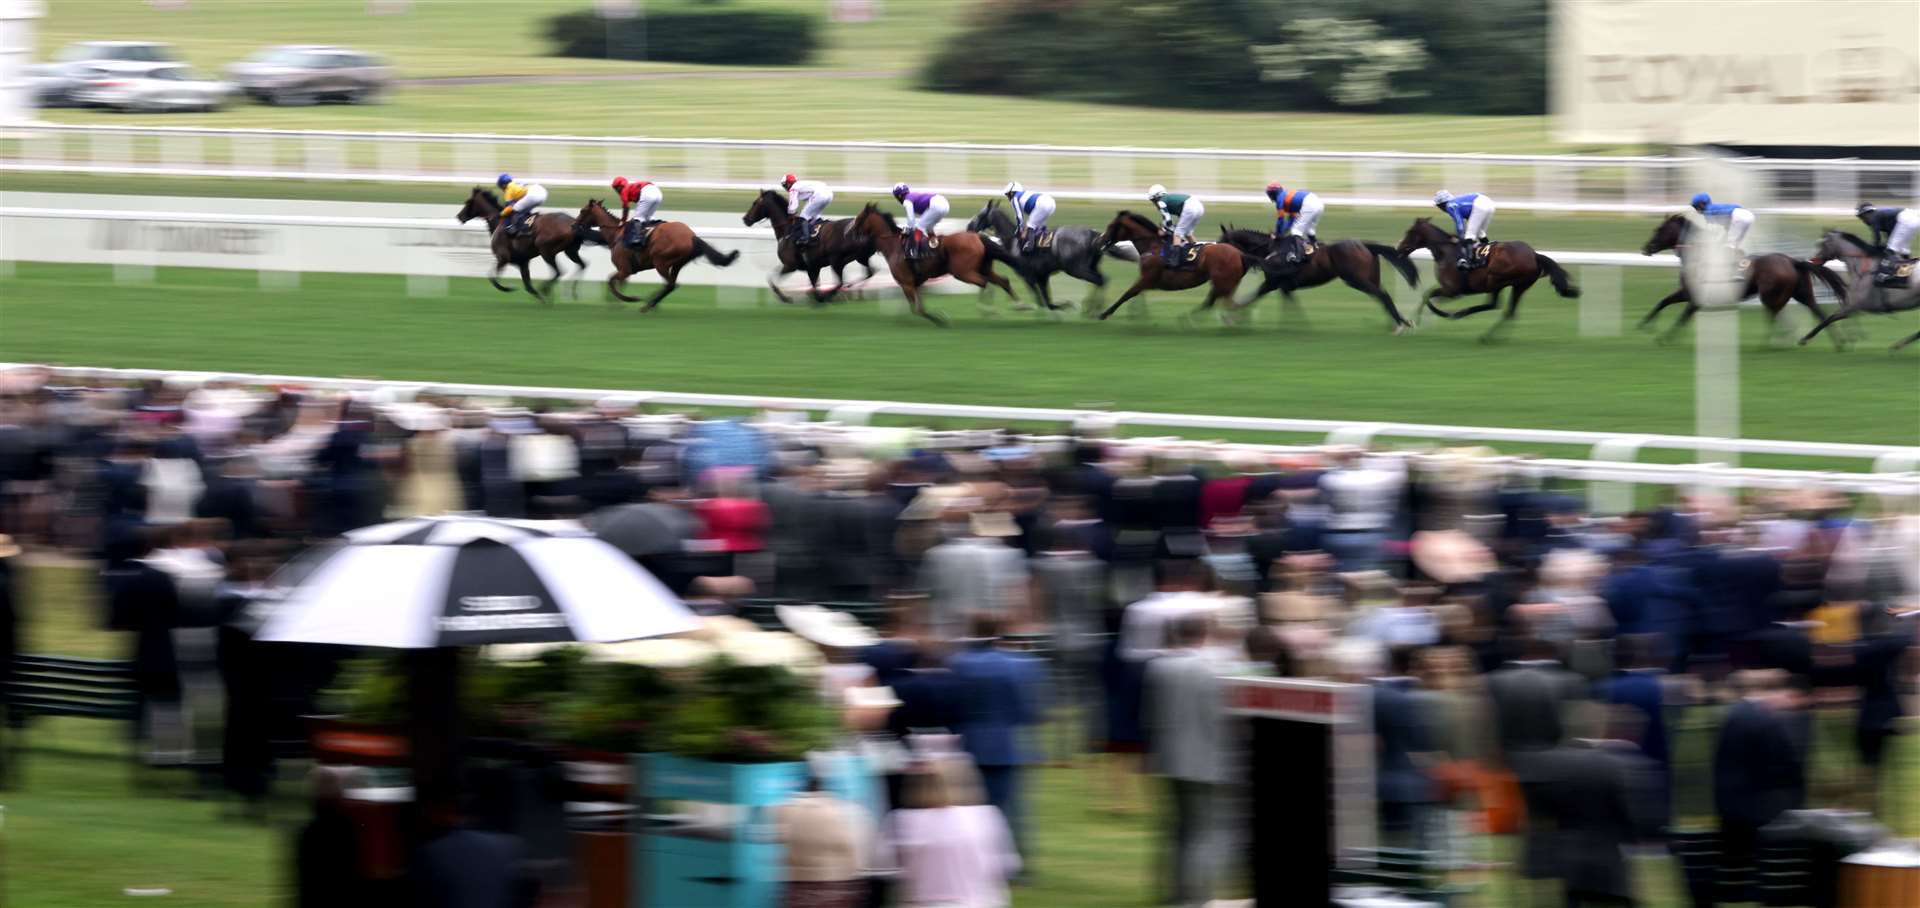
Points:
[1510,265]
[835,246]
[966,256]
[669,248]
[1862,295]
[1219,265]
[1775,278]
[549,234]
[1075,251]
[1354,262]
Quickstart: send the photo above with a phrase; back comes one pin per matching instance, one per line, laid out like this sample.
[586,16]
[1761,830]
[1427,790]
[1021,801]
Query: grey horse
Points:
[1074,251]
[1862,296]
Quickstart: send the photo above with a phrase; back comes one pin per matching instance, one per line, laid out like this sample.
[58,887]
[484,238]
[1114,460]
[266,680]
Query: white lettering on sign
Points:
[469,623]
[499,603]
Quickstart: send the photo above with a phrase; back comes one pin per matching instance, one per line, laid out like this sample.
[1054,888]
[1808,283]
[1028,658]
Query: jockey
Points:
[1179,214]
[1897,226]
[1735,220]
[809,199]
[640,198]
[924,212]
[1296,213]
[1470,214]
[521,199]
[1031,211]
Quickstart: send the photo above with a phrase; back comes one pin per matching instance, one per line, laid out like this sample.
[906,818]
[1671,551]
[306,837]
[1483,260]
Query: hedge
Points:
[737,36]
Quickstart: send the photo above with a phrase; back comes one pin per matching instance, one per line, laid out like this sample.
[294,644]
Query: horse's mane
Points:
[488,194]
[773,195]
[1140,220]
[876,209]
[1857,242]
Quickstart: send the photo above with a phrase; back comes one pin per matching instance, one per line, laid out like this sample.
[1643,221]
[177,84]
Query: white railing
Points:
[1893,467]
[1584,183]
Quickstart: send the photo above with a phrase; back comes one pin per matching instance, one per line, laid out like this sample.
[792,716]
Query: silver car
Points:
[151,87]
[309,73]
[54,84]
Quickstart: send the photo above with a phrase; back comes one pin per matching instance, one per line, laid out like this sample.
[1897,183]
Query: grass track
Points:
[1344,367]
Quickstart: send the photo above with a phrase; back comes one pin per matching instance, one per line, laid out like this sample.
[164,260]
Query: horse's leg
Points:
[1378,292]
[573,287]
[553,261]
[773,282]
[1427,302]
[1896,348]
[1506,318]
[1819,315]
[916,305]
[526,277]
[494,278]
[1139,284]
[1680,324]
[813,285]
[1678,296]
[617,280]
[672,276]
[1493,302]
[1838,314]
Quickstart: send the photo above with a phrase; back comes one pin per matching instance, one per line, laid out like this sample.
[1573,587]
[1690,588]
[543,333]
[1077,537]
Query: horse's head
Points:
[1667,235]
[764,206]
[873,222]
[1421,235]
[1129,228]
[989,218]
[480,204]
[595,214]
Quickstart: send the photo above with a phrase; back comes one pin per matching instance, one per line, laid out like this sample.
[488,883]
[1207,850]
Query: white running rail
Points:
[1569,183]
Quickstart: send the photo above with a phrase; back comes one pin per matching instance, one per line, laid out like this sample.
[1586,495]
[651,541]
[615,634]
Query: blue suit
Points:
[1720,212]
[1640,691]
[1002,692]
[1459,208]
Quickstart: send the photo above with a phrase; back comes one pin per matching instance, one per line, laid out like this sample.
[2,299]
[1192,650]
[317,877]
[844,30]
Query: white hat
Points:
[1155,191]
[825,627]
[870,698]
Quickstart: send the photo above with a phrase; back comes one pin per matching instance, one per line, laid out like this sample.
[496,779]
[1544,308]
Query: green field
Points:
[860,88]
[1345,366]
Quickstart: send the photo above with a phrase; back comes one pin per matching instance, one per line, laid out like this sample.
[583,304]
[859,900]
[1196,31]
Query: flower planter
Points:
[341,741]
[730,864]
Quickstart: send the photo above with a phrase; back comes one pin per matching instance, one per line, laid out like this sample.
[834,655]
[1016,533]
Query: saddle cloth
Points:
[1898,276]
[1185,257]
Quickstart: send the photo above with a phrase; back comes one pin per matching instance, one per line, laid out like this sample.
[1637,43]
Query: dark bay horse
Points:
[1862,295]
[1075,251]
[1775,278]
[1510,266]
[836,247]
[1219,265]
[968,257]
[547,235]
[671,246]
[1354,262]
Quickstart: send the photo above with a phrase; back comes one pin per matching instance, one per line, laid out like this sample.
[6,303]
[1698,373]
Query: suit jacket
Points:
[1530,700]
[1759,771]
[1003,693]
[1400,731]
[1186,718]
[1641,690]
[1597,798]
[1875,663]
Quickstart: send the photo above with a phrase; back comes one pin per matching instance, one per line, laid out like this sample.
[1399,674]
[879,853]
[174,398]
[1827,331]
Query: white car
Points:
[55,83]
[152,87]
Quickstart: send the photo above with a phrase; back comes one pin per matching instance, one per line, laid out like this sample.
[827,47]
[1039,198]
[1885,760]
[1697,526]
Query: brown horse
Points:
[671,246]
[1510,265]
[1219,265]
[1775,278]
[547,235]
[965,256]
[1353,262]
[836,247]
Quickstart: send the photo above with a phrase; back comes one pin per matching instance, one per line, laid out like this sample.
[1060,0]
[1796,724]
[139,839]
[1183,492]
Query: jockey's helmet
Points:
[787,181]
[1013,189]
[1155,191]
[1441,198]
[619,184]
[1700,201]
[1274,189]
[900,190]
[503,180]
[1866,208]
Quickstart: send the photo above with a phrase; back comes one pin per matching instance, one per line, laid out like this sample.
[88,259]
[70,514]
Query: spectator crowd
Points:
[1533,665]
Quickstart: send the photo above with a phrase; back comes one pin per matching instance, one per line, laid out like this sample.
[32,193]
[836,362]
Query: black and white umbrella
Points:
[462,581]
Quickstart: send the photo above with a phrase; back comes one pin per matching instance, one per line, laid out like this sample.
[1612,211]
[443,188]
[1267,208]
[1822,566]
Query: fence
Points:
[1569,183]
[1611,466]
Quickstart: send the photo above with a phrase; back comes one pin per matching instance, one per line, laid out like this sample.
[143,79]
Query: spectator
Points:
[1070,596]
[9,647]
[326,863]
[828,849]
[1598,797]
[1003,695]
[1187,729]
[974,570]
[1759,772]
[1362,499]
[953,849]
[1640,685]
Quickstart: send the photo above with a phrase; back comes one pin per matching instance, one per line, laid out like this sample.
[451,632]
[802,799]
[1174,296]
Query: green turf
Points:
[839,96]
[1344,367]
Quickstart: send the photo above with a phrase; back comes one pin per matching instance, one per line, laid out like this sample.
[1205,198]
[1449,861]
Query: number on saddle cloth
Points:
[1894,271]
[1181,258]
[1045,239]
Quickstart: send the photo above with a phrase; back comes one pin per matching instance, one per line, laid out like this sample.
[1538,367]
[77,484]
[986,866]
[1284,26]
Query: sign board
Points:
[1312,784]
[1732,72]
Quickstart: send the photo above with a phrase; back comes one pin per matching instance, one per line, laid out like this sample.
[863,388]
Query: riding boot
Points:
[1883,273]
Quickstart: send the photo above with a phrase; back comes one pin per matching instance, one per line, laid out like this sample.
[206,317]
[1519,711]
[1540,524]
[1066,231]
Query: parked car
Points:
[308,73]
[152,87]
[55,83]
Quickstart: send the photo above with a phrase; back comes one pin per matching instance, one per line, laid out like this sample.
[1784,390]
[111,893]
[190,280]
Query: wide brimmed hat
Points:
[825,627]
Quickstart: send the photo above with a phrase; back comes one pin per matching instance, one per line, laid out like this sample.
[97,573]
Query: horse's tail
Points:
[714,256]
[1126,252]
[1399,262]
[1824,275]
[1562,284]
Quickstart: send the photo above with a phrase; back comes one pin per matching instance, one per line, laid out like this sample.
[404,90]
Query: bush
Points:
[707,35]
[1487,57]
